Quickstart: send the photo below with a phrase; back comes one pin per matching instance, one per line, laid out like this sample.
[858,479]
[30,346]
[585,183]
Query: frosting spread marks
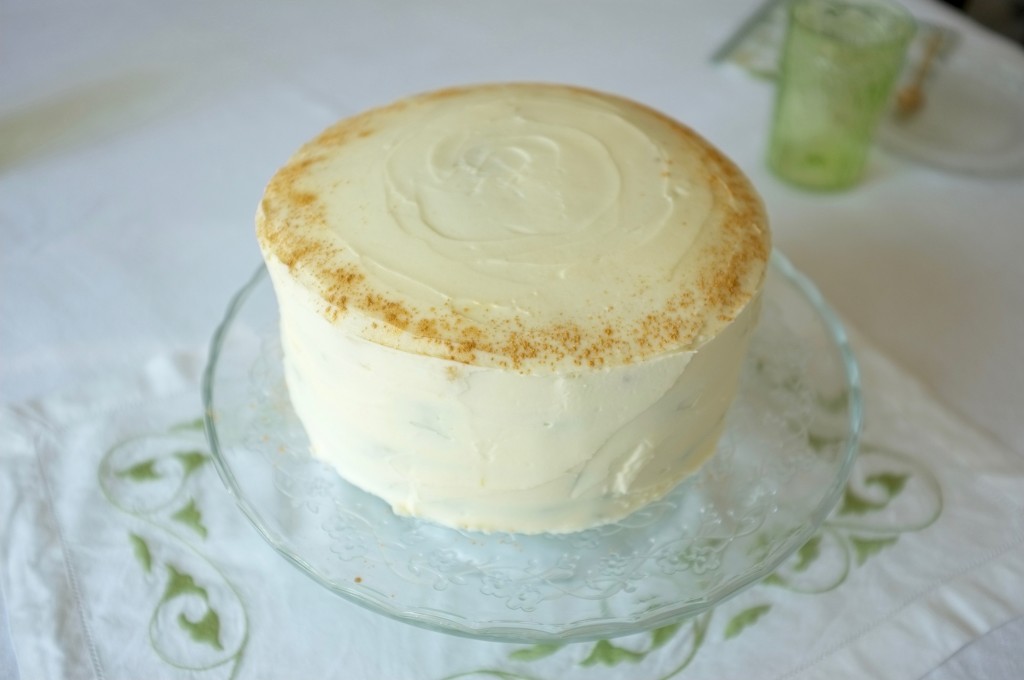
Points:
[526,226]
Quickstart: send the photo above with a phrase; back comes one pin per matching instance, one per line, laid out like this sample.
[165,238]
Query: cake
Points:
[513,307]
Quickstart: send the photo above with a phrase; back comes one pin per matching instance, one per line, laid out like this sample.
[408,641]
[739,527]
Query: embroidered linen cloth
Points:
[123,556]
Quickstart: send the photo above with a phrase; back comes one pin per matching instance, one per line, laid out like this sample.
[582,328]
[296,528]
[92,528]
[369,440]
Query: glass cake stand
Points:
[780,467]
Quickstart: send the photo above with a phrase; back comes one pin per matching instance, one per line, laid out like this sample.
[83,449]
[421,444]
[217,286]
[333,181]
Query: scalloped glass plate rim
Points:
[444,622]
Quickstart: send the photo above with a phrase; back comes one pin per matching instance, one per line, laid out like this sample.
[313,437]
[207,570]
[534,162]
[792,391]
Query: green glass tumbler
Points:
[838,65]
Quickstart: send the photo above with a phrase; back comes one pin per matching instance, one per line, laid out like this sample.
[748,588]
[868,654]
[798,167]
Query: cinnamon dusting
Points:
[293,224]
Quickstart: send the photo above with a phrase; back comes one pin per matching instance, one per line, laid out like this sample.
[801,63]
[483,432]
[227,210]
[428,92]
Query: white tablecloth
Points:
[136,137]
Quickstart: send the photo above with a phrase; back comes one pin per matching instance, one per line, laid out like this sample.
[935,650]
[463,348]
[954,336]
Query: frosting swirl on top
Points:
[528,226]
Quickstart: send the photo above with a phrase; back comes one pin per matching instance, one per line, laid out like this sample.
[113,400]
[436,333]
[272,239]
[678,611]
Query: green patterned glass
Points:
[838,65]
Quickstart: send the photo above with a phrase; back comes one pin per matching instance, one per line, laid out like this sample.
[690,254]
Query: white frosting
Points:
[518,308]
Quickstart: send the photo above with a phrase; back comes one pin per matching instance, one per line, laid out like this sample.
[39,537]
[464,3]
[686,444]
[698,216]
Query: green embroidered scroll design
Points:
[207,628]
[191,517]
[199,622]
[141,550]
[608,654]
[744,619]
[889,494]
[689,636]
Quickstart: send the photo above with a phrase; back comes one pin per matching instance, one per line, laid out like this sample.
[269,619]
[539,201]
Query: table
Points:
[136,138]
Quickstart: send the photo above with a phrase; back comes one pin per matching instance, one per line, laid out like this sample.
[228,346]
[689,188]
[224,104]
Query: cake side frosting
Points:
[531,227]
[488,449]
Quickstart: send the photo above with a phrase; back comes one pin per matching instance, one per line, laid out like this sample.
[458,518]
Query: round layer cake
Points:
[513,307]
